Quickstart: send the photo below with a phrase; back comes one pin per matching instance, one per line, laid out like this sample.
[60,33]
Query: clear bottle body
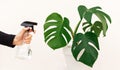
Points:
[24,51]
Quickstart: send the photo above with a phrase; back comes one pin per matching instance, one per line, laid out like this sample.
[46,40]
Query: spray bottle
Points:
[24,51]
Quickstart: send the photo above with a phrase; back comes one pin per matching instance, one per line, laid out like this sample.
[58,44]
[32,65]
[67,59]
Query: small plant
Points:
[58,33]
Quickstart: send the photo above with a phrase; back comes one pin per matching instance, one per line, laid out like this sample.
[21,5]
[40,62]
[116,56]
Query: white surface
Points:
[14,12]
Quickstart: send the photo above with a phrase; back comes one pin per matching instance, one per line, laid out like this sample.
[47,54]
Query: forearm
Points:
[6,39]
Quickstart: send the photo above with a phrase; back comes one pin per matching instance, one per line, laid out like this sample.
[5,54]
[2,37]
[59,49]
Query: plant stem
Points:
[77,27]
[72,32]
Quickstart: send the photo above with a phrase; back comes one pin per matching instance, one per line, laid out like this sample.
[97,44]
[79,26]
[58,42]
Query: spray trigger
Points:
[29,24]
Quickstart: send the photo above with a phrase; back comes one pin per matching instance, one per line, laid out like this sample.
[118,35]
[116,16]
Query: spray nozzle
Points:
[29,24]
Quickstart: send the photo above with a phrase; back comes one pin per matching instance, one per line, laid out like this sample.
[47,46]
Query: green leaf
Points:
[98,10]
[105,15]
[102,16]
[103,21]
[82,10]
[97,28]
[88,44]
[56,31]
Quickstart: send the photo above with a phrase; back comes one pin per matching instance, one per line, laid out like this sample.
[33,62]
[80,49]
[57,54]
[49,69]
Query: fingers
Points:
[28,39]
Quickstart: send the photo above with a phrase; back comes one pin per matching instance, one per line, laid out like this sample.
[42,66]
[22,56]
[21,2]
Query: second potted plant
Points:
[58,33]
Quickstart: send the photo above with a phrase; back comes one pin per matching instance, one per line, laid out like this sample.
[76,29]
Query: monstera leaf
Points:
[85,48]
[56,31]
[97,28]
[88,13]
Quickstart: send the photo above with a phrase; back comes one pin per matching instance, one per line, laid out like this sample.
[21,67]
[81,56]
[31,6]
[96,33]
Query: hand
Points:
[20,37]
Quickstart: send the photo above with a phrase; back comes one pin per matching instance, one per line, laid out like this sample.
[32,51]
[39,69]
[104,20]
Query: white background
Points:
[14,12]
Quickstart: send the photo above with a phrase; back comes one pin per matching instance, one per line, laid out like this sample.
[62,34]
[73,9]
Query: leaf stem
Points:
[72,32]
[77,27]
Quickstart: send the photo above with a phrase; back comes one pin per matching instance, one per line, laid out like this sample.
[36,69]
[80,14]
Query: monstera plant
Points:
[58,33]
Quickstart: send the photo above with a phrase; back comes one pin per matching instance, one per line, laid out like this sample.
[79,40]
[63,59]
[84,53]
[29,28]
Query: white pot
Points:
[71,63]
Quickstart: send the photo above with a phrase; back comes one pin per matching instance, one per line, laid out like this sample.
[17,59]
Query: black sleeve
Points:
[6,39]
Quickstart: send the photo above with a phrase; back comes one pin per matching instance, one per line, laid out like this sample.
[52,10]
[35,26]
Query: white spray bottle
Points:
[24,51]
